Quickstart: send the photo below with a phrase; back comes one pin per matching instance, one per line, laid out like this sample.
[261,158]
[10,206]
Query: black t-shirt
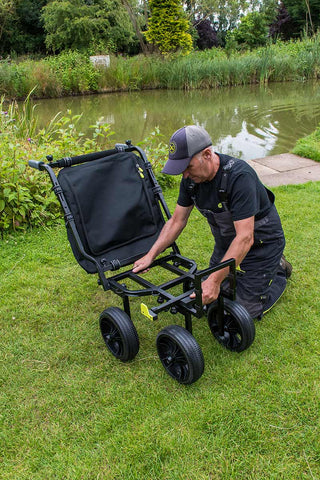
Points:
[246,195]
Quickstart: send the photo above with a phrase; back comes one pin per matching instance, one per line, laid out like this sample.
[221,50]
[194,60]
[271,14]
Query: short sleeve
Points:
[184,198]
[244,197]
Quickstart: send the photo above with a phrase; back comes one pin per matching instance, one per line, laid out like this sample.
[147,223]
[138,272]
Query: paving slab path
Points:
[285,169]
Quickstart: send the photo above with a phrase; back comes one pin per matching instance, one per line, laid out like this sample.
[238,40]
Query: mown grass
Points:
[309,146]
[69,410]
[72,73]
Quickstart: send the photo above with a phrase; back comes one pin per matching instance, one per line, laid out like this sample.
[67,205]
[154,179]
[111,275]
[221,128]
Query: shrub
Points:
[157,153]
[74,72]
[207,35]
[25,196]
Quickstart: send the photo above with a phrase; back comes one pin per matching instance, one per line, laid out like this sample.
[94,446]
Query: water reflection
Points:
[248,122]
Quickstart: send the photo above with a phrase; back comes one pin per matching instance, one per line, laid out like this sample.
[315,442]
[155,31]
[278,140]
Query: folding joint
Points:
[156,190]
[115,264]
[68,217]
[67,161]
[104,262]
[57,189]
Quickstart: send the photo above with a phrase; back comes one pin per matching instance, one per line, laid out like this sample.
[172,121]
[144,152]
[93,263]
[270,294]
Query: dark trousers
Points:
[262,280]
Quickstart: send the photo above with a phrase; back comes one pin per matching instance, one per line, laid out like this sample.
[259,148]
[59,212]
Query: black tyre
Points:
[239,328]
[119,333]
[180,354]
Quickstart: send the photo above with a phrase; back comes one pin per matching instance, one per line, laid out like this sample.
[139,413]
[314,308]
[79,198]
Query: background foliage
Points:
[97,26]
[168,27]
[121,26]
[72,73]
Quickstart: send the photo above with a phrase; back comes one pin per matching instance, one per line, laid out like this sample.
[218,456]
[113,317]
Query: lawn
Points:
[69,410]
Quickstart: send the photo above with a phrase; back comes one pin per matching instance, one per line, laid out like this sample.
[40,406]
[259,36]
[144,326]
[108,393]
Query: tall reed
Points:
[72,72]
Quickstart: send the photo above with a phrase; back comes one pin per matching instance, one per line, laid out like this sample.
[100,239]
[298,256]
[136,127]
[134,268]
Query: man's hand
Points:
[142,264]
[210,291]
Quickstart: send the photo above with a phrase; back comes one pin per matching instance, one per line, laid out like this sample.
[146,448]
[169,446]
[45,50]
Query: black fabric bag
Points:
[115,211]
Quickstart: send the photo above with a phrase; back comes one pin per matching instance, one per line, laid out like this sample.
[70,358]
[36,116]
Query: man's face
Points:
[197,169]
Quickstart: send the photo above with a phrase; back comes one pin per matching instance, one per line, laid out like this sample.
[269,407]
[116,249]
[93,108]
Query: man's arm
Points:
[169,233]
[238,249]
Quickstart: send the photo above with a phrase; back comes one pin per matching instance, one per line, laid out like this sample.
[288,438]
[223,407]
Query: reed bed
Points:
[72,73]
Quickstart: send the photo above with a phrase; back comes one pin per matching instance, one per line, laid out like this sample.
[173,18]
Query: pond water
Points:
[248,122]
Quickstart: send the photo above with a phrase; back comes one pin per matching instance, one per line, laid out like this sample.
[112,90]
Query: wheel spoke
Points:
[119,333]
[233,337]
[180,354]
[173,359]
[112,338]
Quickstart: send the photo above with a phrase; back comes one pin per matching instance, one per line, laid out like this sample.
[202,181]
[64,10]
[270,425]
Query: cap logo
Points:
[172,147]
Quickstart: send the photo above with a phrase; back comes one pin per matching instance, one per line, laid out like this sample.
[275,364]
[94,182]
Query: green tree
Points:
[227,17]
[30,37]
[138,20]
[7,13]
[223,14]
[305,15]
[97,26]
[251,32]
[169,27]
[21,30]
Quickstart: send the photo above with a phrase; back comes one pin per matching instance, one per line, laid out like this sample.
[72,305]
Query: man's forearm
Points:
[238,249]
[168,235]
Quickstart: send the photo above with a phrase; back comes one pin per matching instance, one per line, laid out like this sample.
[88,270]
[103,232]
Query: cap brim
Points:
[176,167]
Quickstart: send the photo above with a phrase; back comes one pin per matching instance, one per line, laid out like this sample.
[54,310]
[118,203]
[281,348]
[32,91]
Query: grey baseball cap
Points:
[184,144]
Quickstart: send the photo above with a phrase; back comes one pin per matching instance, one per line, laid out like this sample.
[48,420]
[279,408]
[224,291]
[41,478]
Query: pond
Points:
[248,122]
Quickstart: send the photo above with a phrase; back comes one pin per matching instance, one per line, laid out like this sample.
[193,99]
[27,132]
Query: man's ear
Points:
[206,153]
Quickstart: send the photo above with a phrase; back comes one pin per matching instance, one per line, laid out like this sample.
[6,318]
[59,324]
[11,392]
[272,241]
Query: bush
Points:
[74,72]
[157,154]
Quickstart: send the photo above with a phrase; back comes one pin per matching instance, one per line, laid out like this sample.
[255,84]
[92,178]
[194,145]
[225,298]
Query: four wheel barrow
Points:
[114,210]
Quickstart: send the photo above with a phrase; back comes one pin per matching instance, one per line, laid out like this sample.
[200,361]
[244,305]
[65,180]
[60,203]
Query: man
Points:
[241,214]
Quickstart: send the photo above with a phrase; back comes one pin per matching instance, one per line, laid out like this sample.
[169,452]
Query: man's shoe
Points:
[287,267]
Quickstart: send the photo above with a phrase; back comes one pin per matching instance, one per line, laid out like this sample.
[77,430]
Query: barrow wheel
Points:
[119,333]
[239,329]
[180,354]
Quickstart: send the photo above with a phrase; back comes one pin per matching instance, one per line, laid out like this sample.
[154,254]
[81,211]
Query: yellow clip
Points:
[145,311]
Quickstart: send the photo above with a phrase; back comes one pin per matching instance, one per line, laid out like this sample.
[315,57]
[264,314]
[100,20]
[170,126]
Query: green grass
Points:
[309,146]
[69,410]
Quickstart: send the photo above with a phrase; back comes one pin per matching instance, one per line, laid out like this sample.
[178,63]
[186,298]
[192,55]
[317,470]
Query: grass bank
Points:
[70,410]
[309,146]
[72,73]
